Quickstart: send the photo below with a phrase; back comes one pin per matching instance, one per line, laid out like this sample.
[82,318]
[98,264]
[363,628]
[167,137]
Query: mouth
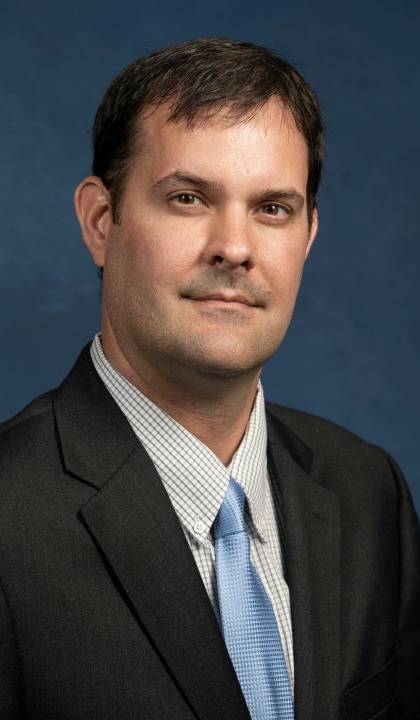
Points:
[219,300]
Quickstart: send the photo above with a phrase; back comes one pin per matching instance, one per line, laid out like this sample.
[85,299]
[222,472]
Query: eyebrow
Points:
[179,177]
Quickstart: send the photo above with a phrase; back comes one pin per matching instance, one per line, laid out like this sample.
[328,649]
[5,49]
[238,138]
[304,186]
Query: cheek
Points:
[164,247]
[284,270]
[158,261]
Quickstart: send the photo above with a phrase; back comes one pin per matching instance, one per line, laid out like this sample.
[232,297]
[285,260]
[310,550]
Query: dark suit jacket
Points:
[103,614]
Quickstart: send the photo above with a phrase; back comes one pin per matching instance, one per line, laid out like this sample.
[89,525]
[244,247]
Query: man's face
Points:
[218,210]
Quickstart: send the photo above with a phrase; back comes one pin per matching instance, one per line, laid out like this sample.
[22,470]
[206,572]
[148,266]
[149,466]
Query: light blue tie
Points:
[247,617]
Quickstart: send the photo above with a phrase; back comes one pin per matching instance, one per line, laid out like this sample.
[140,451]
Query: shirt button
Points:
[199,527]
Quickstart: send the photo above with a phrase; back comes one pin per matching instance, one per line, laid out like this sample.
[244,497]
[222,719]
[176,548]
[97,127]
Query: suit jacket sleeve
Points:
[408,649]
[8,665]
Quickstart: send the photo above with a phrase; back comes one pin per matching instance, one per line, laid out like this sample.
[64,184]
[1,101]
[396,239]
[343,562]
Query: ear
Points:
[313,232]
[93,210]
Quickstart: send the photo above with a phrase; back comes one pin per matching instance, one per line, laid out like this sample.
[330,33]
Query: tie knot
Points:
[230,518]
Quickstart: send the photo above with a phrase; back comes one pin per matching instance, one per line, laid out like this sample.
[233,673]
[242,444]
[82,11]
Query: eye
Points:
[186,198]
[276,210]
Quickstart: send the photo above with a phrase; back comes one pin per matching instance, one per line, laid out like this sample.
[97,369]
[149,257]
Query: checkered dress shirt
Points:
[196,482]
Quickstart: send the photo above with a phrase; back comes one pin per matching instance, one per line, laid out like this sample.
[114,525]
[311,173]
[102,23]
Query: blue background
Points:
[352,353]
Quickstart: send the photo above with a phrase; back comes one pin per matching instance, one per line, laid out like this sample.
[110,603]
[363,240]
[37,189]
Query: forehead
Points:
[265,146]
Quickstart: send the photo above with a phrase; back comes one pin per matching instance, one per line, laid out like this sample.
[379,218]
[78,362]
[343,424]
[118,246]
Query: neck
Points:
[215,409]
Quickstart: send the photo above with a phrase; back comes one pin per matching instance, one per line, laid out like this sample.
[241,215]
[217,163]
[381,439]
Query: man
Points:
[171,546]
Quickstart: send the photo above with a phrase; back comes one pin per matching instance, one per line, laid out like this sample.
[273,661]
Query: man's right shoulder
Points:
[30,457]
[35,421]
[37,418]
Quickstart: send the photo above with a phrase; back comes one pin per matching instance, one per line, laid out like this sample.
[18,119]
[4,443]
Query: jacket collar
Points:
[309,527]
[95,438]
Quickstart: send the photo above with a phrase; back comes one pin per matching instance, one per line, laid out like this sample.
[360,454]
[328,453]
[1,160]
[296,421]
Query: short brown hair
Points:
[202,77]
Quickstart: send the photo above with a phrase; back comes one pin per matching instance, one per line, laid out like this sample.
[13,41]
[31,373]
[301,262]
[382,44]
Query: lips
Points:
[225,298]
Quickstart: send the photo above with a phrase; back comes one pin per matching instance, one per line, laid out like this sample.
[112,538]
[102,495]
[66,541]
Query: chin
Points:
[228,366]
[227,357]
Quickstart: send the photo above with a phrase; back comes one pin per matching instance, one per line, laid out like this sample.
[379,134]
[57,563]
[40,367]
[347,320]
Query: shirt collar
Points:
[195,479]
[249,464]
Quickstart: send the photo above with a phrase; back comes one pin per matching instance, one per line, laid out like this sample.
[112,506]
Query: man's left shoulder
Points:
[338,453]
[319,433]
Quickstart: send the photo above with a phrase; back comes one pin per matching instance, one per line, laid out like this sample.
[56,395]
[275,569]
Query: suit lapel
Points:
[311,540]
[132,521]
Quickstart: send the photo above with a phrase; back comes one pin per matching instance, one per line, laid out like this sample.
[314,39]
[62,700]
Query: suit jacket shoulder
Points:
[38,406]
[320,434]
[337,454]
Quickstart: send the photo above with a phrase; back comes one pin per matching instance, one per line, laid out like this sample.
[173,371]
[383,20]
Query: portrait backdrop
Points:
[352,352]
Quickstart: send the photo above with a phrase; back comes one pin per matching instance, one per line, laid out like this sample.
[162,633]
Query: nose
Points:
[229,242]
